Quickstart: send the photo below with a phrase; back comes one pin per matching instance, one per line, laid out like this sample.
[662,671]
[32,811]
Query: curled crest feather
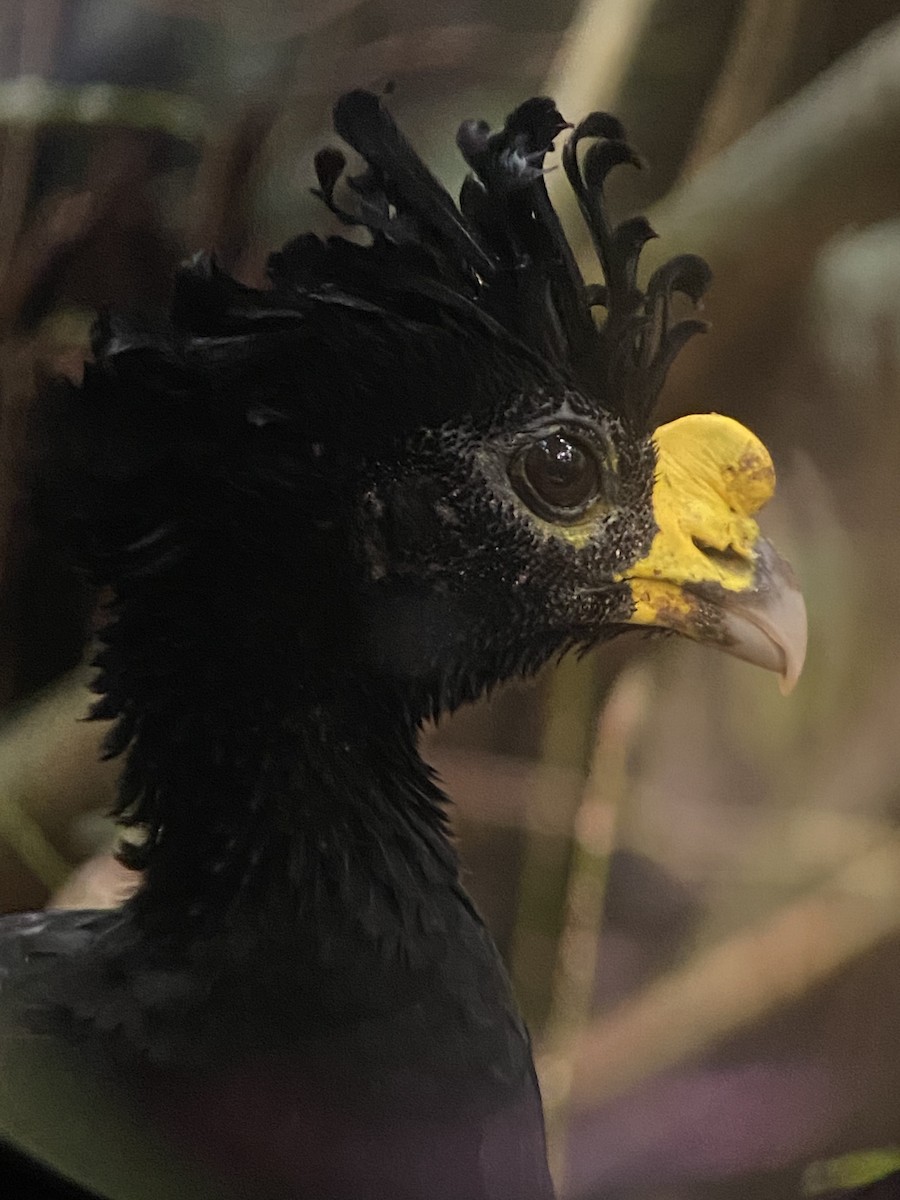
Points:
[501,257]
[484,290]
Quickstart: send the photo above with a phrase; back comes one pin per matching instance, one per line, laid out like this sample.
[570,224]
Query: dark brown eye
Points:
[557,476]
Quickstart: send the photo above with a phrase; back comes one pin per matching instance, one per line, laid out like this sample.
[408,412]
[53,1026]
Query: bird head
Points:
[534,509]
[425,452]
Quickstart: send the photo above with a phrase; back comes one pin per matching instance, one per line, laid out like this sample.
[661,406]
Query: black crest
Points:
[501,258]
[457,293]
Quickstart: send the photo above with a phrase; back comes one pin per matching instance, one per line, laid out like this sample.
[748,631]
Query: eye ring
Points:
[559,475]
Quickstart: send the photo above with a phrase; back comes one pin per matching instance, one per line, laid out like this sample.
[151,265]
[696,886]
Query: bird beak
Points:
[709,574]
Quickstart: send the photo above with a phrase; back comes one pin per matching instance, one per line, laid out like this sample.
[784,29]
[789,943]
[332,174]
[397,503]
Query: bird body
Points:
[339,1070]
[339,1027]
[328,511]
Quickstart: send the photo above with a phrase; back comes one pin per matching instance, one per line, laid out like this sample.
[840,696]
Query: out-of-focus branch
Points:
[742,980]
[31,100]
[69,220]
[224,182]
[50,773]
[617,54]
[762,209]
[64,223]
[596,53]
[39,25]
[477,49]
[605,793]
[566,739]
[762,46]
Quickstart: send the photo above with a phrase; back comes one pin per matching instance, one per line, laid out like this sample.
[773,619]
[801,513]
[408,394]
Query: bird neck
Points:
[319,805]
[269,767]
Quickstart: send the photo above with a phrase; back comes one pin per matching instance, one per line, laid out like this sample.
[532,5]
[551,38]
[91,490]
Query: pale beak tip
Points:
[794,645]
[787,682]
[768,627]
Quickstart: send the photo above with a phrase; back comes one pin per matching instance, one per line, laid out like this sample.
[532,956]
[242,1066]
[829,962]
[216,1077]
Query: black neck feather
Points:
[266,769]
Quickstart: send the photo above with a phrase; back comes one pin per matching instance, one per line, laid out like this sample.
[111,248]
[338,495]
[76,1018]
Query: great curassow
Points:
[327,512]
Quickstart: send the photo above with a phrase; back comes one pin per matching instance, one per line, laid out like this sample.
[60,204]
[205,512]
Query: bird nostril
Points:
[729,557]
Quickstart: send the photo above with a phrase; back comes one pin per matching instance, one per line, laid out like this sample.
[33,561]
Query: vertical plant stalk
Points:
[39,22]
[596,53]
[605,794]
[828,157]
[763,46]
[587,74]
[568,710]
[225,183]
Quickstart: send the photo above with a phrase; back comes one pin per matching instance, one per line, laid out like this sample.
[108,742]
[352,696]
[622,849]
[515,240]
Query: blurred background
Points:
[695,881]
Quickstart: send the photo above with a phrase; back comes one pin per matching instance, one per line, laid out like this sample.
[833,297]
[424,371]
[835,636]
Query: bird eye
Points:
[557,476]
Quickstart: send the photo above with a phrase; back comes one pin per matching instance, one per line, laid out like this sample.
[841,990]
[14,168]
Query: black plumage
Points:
[326,512]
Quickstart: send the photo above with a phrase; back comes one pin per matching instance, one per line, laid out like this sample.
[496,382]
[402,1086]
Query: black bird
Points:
[328,511]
